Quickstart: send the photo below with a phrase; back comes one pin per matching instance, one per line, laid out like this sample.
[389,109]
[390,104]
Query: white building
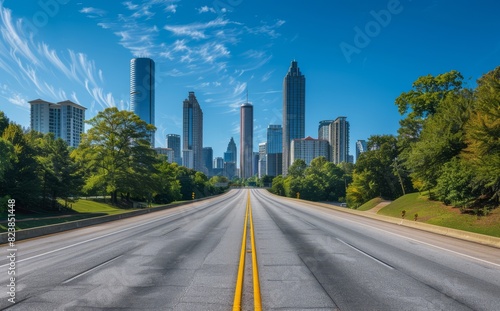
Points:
[309,148]
[65,119]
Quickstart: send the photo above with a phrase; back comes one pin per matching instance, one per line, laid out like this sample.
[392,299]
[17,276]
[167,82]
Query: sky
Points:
[357,57]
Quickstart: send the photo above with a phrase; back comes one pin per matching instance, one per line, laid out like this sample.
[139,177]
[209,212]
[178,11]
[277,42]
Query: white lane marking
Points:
[88,271]
[329,213]
[366,254]
[96,238]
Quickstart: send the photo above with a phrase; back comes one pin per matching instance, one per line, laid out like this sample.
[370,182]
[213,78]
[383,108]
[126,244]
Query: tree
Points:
[4,122]
[58,172]
[118,155]
[421,102]
[483,136]
[442,138]
[20,179]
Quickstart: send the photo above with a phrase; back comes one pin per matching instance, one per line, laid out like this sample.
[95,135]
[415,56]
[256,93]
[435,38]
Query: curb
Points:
[455,233]
[70,225]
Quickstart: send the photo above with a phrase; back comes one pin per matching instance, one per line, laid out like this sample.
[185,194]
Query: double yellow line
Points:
[241,269]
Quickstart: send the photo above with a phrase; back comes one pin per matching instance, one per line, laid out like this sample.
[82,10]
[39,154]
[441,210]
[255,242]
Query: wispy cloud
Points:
[33,64]
[196,30]
[205,9]
[93,12]
[265,29]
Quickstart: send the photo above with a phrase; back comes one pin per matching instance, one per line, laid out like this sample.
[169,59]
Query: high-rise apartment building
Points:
[294,110]
[274,150]
[308,148]
[192,133]
[325,133]
[246,141]
[65,119]
[142,90]
[339,130]
[174,142]
[360,147]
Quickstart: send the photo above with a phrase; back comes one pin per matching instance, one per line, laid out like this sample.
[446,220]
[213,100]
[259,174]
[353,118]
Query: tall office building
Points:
[142,90]
[168,152]
[208,157]
[231,154]
[192,133]
[246,141]
[65,119]
[274,152]
[174,142]
[294,110]
[325,133]
[262,166]
[360,148]
[339,130]
[308,148]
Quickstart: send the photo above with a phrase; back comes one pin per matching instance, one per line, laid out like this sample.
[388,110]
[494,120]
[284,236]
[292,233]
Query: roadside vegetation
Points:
[113,161]
[437,213]
[447,147]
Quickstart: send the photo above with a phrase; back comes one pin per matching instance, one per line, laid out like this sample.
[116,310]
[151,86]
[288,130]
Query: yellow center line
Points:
[256,283]
[241,269]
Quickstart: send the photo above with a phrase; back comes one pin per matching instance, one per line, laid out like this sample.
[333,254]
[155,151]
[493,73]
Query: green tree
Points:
[442,139]
[454,185]
[59,175]
[421,102]
[20,180]
[117,154]
[483,136]
[4,122]
[278,186]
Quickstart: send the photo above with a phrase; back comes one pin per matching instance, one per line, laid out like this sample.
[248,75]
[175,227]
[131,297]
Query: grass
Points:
[436,213]
[370,204]
[83,209]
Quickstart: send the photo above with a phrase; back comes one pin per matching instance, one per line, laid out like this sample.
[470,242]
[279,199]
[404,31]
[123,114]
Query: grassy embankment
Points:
[370,204]
[436,213]
[82,209]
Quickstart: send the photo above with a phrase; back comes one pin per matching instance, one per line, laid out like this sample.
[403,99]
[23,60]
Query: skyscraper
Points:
[274,152]
[246,141]
[174,142]
[360,148]
[65,119]
[325,133]
[339,130]
[230,155]
[208,158]
[192,124]
[142,90]
[294,104]
[262,164]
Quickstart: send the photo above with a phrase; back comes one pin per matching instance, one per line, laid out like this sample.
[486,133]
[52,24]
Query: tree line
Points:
[448,146]
[114,159]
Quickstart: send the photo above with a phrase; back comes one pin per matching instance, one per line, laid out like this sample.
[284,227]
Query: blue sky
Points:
[357,56]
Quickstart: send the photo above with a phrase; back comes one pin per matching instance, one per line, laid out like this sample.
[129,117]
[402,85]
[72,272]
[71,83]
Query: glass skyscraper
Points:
[192,133]
[294,112]
[174,142]
[142,90]
[274,152]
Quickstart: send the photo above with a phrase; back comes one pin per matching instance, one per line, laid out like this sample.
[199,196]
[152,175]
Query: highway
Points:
[308,258]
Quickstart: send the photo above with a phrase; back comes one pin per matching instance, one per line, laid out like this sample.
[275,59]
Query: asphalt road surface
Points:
[309,258]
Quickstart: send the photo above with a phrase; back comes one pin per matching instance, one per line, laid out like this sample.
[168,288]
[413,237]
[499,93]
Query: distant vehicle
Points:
[343,204]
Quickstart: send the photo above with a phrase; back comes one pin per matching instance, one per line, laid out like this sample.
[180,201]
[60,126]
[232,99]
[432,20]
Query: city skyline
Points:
[358,57]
